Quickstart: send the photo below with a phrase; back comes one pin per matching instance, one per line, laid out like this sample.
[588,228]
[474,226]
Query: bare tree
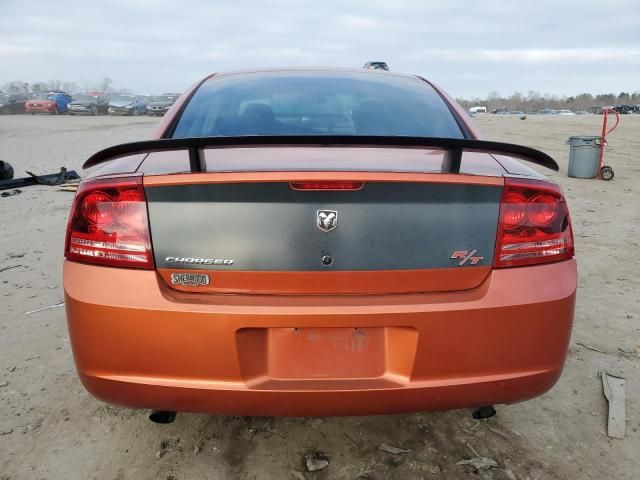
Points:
[105,85]
[70,87]
[16,86]
[533,101]
[55,84]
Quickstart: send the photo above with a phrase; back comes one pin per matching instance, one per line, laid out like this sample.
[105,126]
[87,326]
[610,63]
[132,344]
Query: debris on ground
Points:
[629,353]
[197,448]
[614,391]
[4,384]
[167,445]
[11,193]
[473,450]
[500,433]
[68,187]
[589,347]
[393,450]
[315,463]
[297,475]
[53,179]
[63,176]
[479,463]
[510,475]
[9,268]
[351,440]
[432,468]
[6,432]
[57,305]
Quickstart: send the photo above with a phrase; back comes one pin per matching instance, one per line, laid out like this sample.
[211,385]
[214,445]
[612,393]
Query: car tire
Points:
[6,171]
[5,111]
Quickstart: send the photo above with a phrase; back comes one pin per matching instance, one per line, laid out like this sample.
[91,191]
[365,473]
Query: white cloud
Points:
[7,49]
[469,47]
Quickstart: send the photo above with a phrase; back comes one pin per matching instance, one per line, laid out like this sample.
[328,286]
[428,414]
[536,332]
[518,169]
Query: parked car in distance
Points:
[125,104]
[86,104]
[582,112]
[160,104]
[477,110]
[318,242]
[376,66]
[565,112]
[12,103]
[50,102]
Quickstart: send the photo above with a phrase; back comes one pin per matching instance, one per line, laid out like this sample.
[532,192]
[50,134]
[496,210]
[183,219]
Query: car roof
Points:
[359,71]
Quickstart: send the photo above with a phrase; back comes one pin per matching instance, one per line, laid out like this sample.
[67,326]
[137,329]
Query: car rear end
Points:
[40,106]
[158,109]
[83,108]
[120,110]
[317,278]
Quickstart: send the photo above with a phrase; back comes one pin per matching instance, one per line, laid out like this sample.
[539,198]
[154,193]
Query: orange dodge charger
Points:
[318,242]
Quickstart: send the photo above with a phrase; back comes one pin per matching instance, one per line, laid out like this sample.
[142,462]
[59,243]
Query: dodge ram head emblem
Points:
[327,220]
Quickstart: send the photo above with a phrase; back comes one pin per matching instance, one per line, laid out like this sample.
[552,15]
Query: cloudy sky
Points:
[470,47]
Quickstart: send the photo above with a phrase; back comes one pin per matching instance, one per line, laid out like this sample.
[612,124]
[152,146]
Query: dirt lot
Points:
[51,429]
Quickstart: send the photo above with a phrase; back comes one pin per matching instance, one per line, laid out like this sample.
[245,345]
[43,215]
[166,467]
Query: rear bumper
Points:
[140,344]
[81,111]
[43,109]
[120,112]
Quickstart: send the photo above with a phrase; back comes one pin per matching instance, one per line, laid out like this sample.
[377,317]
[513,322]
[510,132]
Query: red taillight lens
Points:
[534,224]
[327,185]
[543,210]
[109,224]
[513,214]
[97,208]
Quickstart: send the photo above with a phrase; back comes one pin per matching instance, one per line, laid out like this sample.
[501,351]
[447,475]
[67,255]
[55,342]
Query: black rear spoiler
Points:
[451,164]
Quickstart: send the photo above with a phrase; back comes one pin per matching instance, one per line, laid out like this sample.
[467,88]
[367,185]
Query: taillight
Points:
[329,185]
[109,225]
[534,224]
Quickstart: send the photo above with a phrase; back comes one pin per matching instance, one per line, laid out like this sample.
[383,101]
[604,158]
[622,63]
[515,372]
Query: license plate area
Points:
[307,353]
[308,357]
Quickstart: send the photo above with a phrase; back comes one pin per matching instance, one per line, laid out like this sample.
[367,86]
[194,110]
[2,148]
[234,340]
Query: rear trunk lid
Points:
[253,232]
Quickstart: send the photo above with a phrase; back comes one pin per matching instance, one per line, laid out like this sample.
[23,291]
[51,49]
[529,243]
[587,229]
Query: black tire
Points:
[606,173]
[6,171]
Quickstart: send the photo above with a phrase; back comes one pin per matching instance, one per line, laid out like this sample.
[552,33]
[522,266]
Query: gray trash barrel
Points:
[584,154]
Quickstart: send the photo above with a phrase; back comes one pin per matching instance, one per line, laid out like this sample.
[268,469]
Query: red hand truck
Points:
[605,172]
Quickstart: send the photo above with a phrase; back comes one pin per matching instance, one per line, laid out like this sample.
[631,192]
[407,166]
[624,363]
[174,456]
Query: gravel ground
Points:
[50,428]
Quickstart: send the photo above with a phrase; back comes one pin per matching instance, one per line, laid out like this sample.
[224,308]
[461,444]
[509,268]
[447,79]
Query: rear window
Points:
[316,103]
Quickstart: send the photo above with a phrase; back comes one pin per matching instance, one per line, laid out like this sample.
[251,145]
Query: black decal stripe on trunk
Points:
[270,227]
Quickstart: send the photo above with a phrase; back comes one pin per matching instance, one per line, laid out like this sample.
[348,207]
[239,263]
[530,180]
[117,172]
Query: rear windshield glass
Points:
[316,103]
